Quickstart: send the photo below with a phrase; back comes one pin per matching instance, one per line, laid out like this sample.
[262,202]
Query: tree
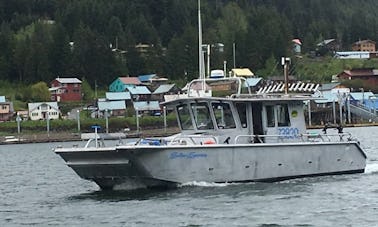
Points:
[88,94]
[40,92]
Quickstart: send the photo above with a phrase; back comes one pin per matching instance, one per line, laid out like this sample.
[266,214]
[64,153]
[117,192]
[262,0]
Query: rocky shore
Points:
[43,137]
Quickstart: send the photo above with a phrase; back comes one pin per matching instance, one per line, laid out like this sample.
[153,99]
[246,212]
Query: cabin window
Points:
[283,115]
[270,116]
[184,117]
[223,115]
[242,111]
[202,117]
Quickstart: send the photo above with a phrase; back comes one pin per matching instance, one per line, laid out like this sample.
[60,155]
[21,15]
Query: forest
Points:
[97,40]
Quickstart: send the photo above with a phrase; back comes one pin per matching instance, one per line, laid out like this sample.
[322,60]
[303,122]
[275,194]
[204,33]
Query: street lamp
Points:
[78,120]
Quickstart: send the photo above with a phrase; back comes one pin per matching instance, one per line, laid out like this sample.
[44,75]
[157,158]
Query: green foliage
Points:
[35,37]
[40,92]
[88,93]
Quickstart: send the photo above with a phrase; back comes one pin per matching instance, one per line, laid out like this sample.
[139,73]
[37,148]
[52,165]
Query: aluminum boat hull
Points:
[157,166]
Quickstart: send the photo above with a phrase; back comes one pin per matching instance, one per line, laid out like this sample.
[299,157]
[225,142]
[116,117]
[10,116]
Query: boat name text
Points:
[190,155]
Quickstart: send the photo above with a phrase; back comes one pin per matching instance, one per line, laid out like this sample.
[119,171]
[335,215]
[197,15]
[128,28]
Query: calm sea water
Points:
[37,188]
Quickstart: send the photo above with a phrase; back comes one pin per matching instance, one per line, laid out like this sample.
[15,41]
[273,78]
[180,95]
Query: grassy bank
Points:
[71,126]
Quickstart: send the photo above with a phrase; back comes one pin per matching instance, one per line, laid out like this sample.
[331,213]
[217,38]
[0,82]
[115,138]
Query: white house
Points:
[42,110]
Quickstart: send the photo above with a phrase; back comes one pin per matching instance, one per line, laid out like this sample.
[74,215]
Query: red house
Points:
[65,89]
[368,75]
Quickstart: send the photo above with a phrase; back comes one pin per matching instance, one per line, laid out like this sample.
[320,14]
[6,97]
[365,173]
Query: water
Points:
[37,188]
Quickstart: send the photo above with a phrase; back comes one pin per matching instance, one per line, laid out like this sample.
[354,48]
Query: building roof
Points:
[111,105]
[139,90]
[146,78]
[130,80]
[297,41]
[328,96]
[363,41]
[146,105]
[361,72]
[251,82]
[328,86]
[359,96]
[242,72]
[164,88]
[325,42]
[112,96]
[2,99]
[68,80]
[34,105]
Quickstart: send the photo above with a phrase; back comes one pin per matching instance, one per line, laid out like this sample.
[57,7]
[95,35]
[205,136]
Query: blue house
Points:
[121,83]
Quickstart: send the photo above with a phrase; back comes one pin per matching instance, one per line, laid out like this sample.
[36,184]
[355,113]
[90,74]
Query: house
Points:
[6,109]
[254,83]
[364,45]
[43,110]
[147,107]
[328,45]
[352,55]
[119,96]
[139,93]
[368,75]
[362,98]
[244,72]
[121,83]
[165,89]
[297,45]
[65,89]
[114,108]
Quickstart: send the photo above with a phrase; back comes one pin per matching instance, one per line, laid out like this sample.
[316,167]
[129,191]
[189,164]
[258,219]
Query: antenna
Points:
[200,52]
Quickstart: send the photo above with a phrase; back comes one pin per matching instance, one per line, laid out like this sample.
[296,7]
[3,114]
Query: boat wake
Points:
[205,184]
[371,168]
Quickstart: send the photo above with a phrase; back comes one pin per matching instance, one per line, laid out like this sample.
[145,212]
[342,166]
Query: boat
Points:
[242,137]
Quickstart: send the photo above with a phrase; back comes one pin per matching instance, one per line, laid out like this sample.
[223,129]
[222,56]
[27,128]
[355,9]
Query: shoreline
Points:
[68,136]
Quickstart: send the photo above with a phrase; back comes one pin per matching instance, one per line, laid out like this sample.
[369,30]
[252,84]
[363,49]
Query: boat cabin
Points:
[243,118]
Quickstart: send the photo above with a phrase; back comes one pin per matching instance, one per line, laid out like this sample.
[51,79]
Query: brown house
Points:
[6,109]
[364,45]
[368,75]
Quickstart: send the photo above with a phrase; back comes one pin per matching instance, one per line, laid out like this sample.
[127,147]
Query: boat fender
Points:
[209,142]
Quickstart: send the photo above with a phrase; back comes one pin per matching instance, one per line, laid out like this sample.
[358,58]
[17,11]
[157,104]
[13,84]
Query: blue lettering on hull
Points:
[190,155]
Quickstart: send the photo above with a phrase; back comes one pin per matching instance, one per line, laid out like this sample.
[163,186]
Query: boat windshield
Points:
[184,117]
[201,115]
[223,115]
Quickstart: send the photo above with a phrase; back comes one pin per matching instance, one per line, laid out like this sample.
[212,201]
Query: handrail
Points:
[191,137]
[238,79]
[304,137]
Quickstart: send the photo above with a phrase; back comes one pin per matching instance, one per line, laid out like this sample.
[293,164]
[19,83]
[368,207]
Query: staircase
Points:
[364,113]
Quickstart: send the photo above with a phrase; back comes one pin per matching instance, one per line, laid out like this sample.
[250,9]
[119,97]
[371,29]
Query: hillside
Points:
[97,39]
